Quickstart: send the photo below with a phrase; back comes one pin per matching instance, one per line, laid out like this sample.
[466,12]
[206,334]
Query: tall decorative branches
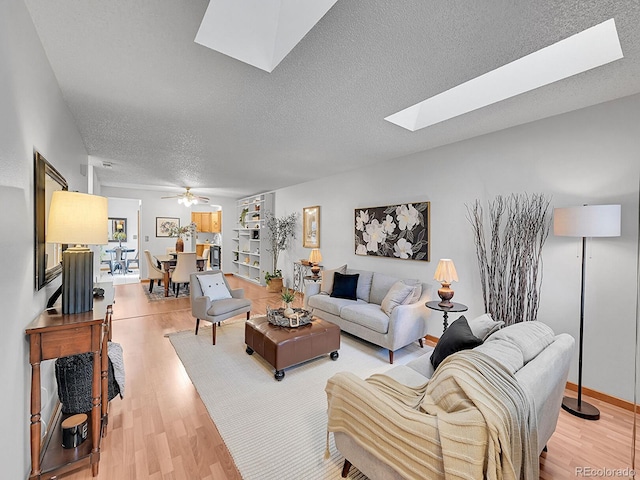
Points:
[511,263]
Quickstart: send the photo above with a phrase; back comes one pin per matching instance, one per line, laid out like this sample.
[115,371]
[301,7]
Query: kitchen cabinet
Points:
[207,222]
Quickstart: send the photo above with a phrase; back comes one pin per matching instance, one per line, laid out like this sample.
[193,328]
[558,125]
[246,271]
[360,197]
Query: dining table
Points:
[168,262]
[119,263]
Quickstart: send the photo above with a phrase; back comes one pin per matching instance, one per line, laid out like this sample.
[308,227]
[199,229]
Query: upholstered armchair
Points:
[153,272]
[185,266]
[226,302]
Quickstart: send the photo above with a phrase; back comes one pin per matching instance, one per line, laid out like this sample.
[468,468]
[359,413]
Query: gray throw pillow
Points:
[326,284]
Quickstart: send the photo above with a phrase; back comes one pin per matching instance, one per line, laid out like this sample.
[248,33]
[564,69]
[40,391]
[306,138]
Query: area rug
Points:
[274,430]
[158,293]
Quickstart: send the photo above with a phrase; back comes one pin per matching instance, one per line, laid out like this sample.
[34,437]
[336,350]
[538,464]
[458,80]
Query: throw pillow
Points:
[484,325]
[396,295]
[213,286]
[417,291]
[455,338]
[345,286]
[326,284]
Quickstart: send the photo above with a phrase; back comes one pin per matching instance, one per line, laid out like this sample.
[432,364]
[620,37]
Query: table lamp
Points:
[314,259]
[445,274]
[79,219]
[585,221]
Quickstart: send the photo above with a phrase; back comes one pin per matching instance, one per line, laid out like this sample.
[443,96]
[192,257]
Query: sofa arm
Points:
[200,306]
[237,293]
[408,323]
[360,410]
[311,288]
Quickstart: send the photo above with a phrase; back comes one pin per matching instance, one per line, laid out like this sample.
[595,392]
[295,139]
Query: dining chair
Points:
[107,261]
[185,266]
[215,311]
[135,260]
[205,255]
[153,272]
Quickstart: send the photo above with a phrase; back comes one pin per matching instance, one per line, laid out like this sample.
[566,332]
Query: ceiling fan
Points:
[187,198]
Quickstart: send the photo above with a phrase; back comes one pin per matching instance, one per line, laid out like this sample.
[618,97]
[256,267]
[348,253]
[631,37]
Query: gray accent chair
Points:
[202,308]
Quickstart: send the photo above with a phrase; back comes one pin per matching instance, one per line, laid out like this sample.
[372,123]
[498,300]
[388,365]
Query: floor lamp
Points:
[585,221]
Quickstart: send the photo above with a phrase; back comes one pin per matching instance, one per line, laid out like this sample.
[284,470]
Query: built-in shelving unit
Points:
[250,257]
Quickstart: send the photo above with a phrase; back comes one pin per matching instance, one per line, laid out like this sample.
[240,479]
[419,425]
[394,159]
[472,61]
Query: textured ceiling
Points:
[167,112]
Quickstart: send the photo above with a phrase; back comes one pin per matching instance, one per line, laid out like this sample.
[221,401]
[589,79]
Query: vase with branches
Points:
[280,232]
[510,260]
[180,232]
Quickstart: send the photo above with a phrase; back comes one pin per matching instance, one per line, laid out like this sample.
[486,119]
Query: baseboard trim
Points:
[431,339]
[604,397]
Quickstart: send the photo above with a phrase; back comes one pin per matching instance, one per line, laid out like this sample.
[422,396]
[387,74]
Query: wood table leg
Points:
[36,425]
[166,283]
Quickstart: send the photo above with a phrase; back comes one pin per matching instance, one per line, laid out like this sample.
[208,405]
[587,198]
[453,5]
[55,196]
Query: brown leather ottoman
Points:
[283,347]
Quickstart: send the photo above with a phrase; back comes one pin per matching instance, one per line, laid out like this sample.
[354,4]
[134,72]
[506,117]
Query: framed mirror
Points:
[311,227]
[117,225]
[48,256]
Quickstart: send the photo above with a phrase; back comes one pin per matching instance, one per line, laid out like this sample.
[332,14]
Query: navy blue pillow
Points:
[344,286]
[455,338]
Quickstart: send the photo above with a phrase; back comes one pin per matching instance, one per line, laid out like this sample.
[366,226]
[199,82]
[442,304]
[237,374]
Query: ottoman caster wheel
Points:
[334,355]
[249,351]
[279,375]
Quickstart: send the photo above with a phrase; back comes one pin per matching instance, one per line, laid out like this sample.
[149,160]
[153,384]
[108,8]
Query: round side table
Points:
[455,307]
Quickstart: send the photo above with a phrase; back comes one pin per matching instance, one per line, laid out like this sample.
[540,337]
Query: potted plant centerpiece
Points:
[181,232]
[288,296]
[280,232]
[120,236]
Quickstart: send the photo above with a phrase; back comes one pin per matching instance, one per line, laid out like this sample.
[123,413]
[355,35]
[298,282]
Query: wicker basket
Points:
[74,375]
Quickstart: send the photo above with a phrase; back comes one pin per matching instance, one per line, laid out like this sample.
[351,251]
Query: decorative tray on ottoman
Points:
[276,317]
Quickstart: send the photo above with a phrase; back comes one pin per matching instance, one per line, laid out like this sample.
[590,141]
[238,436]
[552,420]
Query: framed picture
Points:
[164,225]
[395,231]
[311,227]
[116,225]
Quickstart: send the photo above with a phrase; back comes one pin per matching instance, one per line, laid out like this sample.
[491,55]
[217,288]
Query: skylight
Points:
[259,32]
[583,51]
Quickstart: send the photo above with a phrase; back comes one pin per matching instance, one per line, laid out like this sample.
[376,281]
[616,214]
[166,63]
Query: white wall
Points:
[589,156]
[153,206]
[33,115]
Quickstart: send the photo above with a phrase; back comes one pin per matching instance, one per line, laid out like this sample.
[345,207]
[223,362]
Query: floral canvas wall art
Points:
[396,231]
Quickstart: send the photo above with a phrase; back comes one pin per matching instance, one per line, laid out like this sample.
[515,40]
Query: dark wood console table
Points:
[54,335]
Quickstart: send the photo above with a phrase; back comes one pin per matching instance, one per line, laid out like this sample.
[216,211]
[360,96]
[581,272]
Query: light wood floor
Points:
[161,429]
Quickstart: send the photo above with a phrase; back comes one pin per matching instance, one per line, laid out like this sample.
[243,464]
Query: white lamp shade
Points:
[446,271]
[315,256]
[78,218]
[587,221]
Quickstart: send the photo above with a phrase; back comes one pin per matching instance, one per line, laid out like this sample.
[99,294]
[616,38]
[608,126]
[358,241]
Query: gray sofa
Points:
[538,359]
[364,316]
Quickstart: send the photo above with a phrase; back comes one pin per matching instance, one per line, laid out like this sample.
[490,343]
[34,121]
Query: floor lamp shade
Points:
[585,221]
[78,219]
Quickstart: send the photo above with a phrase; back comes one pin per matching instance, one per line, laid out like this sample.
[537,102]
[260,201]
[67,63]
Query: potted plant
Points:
[180,232]
[273,281]
[120,236]
[288,296]
[280,232]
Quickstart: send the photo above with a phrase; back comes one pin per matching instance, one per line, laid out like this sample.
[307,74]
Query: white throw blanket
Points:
[472,421]
[114,350]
